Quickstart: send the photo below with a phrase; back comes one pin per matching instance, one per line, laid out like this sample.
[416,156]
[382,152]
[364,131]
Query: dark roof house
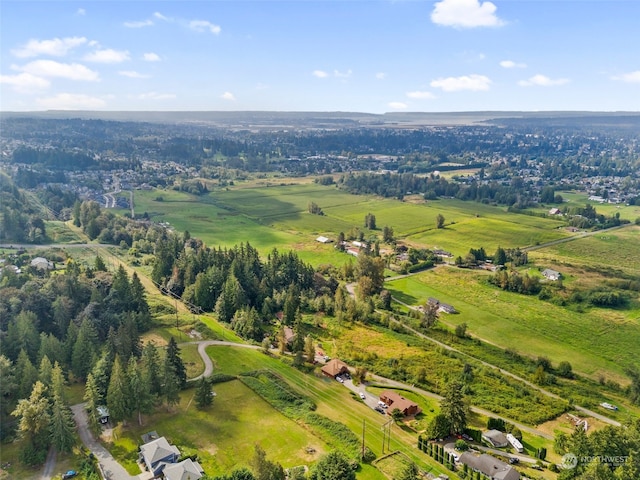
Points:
[496,438]
[490,466]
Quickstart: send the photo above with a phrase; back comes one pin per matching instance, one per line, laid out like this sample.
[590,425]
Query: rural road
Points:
[572,238]
[584,410]
[111,468]
[49,464]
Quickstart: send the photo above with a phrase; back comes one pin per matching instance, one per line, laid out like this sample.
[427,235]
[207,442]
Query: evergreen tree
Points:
[8,385]
[141,397]
[84,349]
[309,350]
[26,375]
[45,371]
[99,264]
[500,257]
[440,221]
[152,369]
[58,383]
[410,472]
[118,393]
[62,428]
[334,466]
[94,399]
[265,469]
[170,384]
[173,357]
[453,407]
[204,396]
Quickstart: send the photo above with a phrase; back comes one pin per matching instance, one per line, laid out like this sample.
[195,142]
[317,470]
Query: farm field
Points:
[578,199]
[617,249]
[277,216]
[595,342]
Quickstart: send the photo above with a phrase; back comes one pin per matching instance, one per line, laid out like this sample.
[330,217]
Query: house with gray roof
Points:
[489,466]
[185,470]
[157,454]
[495,438]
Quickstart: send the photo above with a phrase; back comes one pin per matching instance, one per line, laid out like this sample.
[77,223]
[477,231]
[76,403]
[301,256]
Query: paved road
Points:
[208,364]
[49,464]
[112,469]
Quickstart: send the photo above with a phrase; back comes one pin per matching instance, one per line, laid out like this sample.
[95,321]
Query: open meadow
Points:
[277,216]
[595,342]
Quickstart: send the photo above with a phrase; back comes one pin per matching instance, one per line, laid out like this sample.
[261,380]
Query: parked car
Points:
[514,460]
[379,409]
[69,474]
[362,395]
[467,437]
[340,379]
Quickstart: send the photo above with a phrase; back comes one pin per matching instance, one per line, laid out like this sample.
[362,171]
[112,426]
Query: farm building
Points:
[442,307]
[551,274]
[489,466]
[555,211]
[322,239]
[335,367]
[495,438]
[289,335]
[393,401]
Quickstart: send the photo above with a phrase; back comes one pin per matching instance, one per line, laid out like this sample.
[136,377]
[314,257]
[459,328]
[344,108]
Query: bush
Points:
[341,433]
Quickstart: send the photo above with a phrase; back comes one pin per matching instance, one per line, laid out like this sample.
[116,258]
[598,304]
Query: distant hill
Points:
[266,119]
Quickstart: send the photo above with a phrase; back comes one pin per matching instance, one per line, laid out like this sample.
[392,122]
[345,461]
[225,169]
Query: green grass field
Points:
[277,216]
[618,249]
[595,342]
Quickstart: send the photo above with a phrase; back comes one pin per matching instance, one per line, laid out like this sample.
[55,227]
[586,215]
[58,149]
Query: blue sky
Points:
[332,55]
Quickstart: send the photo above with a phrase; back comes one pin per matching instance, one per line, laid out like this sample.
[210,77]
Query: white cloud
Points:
[542,81]
[631,77]
[381,75]
[151,57]
[320,74]
[421,95]
[51,68]
[159,16]
[473,82]
[512,64]
[132,74]
[108,55]
[57,47]
[71,101]
[204,25]
[138,23]
[25,82]
[156,96]
[465,14]
[81,12]
[339,74]
[398,105]
[228,96]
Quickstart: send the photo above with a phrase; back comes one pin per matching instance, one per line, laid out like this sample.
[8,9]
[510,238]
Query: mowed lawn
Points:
[333,400]
[618,249]
[595,342]
[224,435]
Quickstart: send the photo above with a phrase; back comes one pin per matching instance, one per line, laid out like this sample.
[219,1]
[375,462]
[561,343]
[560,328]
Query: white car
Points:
[340,379]
[362,396]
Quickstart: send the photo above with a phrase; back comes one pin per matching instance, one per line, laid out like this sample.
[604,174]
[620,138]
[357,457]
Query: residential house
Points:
[41,263]
[393,400]
[495,438]
[335,367]
[442,307]
[103,414]
[490,466]
[289,335]
[555,211]
[157,454]
[551,274]
[185,470]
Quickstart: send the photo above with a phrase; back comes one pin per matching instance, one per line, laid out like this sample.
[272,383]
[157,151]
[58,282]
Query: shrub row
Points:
[340,433]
